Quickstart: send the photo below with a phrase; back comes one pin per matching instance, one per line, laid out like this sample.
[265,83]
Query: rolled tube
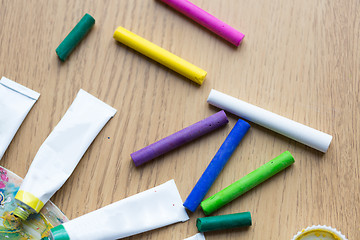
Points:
[246,183]
[216,165]
[207,20]
[222,222]
[75,36]
[61,152]
[179,138]
[15,103]
[160,55]
[155,208]
[198,236]
[284,126]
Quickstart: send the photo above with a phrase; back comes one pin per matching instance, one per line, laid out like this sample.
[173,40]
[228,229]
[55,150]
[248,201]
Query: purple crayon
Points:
[179,138]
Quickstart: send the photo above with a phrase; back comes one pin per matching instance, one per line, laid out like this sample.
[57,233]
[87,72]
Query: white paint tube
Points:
[289,128]
[154,208]
[15,103]
[61,152]
[199,236]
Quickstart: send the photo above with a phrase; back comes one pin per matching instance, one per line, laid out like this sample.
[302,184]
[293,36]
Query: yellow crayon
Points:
[160,55]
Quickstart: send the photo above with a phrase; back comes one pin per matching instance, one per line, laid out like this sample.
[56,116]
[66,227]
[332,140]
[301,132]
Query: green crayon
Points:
[246,183]
[223,222]
[75,36]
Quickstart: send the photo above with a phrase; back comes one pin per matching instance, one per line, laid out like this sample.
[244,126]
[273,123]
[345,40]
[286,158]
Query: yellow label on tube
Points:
[30,200]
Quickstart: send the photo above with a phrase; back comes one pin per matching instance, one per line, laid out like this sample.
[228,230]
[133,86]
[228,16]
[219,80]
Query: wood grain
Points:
[299,59]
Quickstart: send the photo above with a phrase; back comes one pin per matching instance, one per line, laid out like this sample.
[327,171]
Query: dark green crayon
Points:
[75,36]
[224,222]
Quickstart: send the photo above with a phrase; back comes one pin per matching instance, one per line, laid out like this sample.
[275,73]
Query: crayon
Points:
[75,36]
[222,222]
[246,183]
[216,165]
[207,20]
[179,138]
[160,55]
[289,128]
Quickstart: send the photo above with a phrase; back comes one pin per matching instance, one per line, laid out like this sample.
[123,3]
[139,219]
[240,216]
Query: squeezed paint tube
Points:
[15,103]
[199,236]
[157,207]
[61,152]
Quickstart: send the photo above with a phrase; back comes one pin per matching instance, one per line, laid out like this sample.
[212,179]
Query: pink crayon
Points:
[207,20]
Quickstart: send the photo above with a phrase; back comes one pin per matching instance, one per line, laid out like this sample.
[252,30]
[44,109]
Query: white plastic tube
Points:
[289,128]
[15,103]
[199,236]
[154,208]
[61,152]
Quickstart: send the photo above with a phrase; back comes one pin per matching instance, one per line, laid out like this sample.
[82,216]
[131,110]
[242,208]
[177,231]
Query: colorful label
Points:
[37,226]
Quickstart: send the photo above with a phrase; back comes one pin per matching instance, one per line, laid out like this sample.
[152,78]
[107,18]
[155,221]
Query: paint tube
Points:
[15,103]
[157,207]
[199,236]
[61,152]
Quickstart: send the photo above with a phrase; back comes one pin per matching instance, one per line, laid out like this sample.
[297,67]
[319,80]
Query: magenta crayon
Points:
[207,20]
[179,138]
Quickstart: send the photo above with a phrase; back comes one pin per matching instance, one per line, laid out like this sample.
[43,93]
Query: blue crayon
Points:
[216,165]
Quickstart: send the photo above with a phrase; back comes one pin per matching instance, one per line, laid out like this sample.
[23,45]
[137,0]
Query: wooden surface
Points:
[299,59]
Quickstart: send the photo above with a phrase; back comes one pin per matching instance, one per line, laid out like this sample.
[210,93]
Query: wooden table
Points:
[300,59]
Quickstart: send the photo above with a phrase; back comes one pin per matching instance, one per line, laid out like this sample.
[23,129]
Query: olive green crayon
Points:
[246,183]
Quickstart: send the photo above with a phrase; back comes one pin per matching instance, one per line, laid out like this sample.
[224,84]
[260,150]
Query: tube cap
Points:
[59,233]
[319,232]
[29,202]
[21,213]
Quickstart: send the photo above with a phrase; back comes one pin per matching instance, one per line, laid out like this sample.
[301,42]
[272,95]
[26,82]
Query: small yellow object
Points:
[160,55]
[319,233]
[30,200]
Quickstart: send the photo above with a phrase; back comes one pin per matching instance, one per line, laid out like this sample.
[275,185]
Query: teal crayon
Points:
[75,36]
[222,222]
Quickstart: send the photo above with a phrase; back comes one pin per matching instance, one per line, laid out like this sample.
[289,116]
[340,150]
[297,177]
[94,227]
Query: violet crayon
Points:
[216,165]
[179,138]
